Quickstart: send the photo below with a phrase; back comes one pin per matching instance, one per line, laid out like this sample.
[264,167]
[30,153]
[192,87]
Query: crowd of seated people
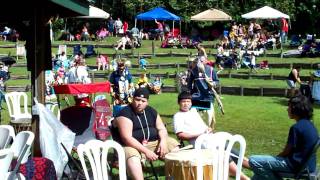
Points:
[9,34]
[66,70]
[241,39]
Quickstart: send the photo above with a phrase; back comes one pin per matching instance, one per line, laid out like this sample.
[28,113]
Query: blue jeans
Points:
[264,166]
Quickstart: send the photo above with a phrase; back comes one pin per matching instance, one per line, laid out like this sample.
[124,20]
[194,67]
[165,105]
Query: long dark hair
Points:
[301,106]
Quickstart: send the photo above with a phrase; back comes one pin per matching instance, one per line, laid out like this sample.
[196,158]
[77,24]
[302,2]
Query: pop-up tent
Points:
[211,15]
[265,12]
[97,13]
[158,13]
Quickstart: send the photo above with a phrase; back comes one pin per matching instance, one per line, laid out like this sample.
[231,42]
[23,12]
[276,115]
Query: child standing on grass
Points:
[253,62]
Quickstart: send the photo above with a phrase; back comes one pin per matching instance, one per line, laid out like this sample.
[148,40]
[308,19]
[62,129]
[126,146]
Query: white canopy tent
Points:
[265,12]
[211,15]
[97,13]
[94,13]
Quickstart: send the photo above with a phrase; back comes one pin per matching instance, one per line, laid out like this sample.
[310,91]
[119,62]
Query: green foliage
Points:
[304,15]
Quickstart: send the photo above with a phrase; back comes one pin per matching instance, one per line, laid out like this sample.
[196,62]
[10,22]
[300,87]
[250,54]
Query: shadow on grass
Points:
[158,168]
[316,106]
[281,101]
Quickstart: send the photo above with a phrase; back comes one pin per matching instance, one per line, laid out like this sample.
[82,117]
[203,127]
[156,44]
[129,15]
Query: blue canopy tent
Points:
[158,13]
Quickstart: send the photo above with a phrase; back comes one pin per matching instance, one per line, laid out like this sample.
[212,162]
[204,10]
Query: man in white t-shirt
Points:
[188,125]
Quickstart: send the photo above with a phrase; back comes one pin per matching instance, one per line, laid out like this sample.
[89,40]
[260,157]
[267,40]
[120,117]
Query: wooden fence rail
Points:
[25,88]
[229,90]
[184,65]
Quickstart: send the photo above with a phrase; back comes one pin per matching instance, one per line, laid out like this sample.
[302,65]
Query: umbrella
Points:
[8,60]
[211,15]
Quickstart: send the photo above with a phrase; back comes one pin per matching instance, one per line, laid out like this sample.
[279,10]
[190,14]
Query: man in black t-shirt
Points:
[142,133]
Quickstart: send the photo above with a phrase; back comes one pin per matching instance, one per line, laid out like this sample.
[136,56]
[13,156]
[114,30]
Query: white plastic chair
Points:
[93,150]
[14,100]
[6,156]
[21,51]
[21,146]
[62,48]
[218,143]
[6,135]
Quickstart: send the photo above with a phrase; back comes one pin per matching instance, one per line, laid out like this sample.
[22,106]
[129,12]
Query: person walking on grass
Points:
[253,63]
[293,78]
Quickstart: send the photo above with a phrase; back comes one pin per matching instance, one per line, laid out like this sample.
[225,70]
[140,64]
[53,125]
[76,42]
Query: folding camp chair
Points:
[90,51]
[303,172]
[295,41]
[77,49]
[264,64]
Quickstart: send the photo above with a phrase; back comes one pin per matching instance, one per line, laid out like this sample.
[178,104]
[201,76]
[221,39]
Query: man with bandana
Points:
[142,133]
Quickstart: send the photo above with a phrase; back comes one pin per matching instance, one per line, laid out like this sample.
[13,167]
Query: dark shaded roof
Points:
[24,10]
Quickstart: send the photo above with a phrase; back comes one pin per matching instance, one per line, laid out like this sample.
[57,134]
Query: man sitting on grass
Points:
[188,125]
[302,137]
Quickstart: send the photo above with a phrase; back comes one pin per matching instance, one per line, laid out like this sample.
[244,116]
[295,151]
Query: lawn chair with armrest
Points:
[303,171]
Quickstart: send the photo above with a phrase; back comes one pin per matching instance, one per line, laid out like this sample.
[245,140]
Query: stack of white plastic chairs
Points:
[221,144]
[19,150]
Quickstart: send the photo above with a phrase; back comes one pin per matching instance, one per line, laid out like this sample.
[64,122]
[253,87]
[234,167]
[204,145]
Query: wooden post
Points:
[39,45]
[241,90]
[261,91]
[271,76]
[153,53]
[92,76]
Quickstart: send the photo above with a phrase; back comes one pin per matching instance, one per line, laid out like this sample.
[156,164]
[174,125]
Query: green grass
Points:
[263,121]
[253,83]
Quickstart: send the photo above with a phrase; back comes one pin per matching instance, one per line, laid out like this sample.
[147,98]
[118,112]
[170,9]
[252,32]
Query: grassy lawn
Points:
[263,121]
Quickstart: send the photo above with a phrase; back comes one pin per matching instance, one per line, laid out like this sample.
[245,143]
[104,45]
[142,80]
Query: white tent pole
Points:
[135,22]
